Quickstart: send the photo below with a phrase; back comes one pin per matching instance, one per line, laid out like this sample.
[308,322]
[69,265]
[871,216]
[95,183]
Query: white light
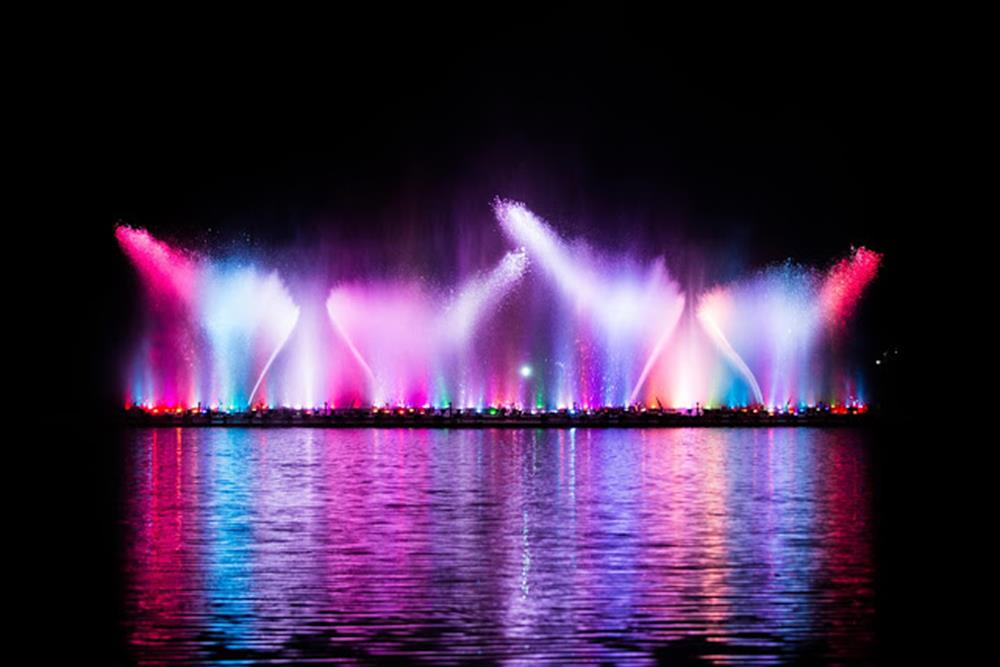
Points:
[525,371]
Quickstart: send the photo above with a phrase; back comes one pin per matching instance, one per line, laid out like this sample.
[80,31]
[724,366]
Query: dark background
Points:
[736,148]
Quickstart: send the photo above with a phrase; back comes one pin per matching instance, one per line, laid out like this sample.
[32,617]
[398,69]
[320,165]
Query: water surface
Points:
[247,546]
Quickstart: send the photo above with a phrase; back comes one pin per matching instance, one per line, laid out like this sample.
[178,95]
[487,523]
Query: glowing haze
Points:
[552,324]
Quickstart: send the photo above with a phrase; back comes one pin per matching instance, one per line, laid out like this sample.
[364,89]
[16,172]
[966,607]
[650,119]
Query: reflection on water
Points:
[445,546]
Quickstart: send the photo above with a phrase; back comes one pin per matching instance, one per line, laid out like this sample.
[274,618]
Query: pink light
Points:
[844,284]
[167,271]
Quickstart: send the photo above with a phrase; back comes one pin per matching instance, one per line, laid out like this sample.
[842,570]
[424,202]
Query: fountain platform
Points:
[497,418]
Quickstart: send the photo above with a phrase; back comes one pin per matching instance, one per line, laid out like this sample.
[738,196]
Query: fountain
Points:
[553,327]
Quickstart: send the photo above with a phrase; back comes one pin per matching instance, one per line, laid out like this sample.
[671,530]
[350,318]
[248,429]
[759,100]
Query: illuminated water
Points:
[550,324]
[257,546]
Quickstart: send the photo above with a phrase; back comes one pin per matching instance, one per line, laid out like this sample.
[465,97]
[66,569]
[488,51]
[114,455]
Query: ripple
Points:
[268,547]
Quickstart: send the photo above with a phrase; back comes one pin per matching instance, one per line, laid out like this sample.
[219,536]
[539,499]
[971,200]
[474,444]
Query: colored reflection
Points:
[263,546]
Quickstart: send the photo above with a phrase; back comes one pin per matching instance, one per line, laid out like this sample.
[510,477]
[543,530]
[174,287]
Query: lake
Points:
[250,546]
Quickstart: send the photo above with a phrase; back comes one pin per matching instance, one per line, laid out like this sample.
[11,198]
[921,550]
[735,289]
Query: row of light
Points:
[834,408]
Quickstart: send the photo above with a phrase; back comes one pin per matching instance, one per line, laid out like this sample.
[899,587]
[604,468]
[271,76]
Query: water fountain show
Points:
[531,347]
[588,332]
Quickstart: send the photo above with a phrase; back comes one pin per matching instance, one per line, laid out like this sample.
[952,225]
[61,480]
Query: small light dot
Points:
[526,371]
